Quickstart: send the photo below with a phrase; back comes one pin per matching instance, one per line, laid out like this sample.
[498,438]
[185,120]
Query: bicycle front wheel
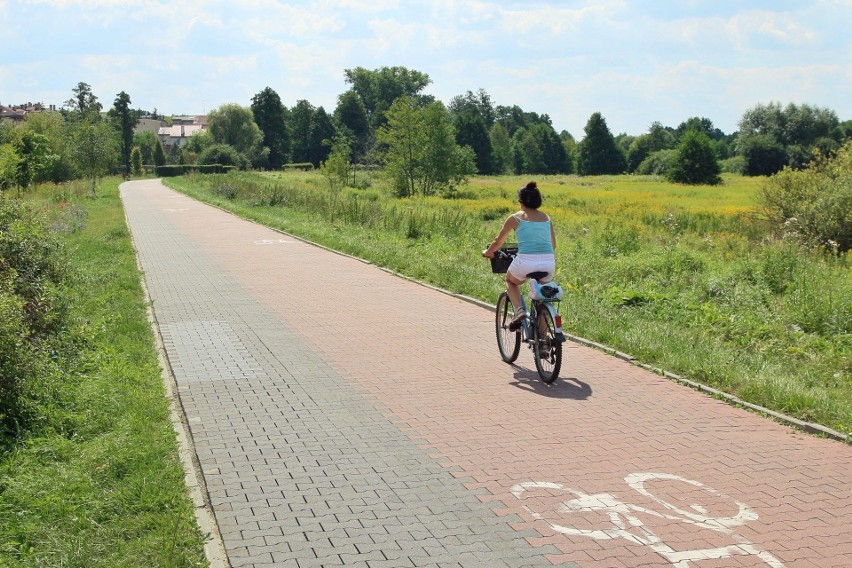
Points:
[548,350]
[509,342]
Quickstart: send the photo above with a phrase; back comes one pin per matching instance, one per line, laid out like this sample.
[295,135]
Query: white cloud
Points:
[361,6]
[104,62]
[636,62]
[750,29]
[391,36]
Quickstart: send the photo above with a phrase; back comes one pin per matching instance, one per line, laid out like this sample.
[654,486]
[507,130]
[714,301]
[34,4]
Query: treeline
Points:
[77,142]
[384,116]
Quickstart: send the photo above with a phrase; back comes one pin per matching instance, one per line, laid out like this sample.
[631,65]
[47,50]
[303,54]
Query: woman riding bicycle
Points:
[536,245]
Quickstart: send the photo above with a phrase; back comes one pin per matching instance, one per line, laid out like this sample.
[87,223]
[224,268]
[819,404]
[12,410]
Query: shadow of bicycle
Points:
[569,387]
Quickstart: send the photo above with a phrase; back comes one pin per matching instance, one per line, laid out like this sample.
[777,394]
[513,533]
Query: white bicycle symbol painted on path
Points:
[624,522]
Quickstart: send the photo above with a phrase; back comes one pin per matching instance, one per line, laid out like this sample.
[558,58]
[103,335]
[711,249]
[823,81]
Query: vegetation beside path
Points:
[89,468]
[682,278]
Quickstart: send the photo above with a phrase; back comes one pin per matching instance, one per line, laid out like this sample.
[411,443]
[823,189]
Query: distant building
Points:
[148,124]
[17,113]
[182,128]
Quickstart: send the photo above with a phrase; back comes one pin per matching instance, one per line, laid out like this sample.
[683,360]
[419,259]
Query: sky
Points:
[634,61]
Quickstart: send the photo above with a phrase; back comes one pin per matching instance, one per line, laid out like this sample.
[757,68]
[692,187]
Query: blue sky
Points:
[634,61]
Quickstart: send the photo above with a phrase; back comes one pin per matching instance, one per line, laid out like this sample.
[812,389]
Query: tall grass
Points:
[684,278]
[95,480]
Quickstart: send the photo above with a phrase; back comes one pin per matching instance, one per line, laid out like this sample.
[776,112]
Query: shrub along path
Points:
[342,415]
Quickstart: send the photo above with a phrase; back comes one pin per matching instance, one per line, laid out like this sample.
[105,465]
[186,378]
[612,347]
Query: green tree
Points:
[699,124]
[598,153]
[501,149]
[83,105]
[447,165]
[125,121]
[553,153]
[159,153]
[194,146]
[146,141]
[639,149]
[301,118]
[570,146]
[657,138]
[270,116]
[351,116]
[527,153]
[34,157]
[421,155]
[472,131]
[695,161]
[379,88]
[797,129]
[335,170]
[763,155]
[8,166]
[320,135]
[95,149]
[60,166]
[136,161]
[478,103]
[234,125]
[657,163]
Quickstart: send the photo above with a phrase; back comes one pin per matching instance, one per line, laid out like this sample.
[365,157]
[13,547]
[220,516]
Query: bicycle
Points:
[544,335]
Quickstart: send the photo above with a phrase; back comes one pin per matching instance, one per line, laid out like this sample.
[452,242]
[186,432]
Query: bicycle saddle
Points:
[537,275]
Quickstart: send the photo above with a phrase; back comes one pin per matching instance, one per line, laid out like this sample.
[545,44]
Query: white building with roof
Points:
[176,135]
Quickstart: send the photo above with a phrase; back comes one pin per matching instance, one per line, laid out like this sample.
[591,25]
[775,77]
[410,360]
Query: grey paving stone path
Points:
[302,470]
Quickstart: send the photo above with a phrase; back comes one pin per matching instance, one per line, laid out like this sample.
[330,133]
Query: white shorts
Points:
[523,264]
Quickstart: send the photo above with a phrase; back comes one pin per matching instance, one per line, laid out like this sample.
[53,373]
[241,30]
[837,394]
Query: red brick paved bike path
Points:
[621,467]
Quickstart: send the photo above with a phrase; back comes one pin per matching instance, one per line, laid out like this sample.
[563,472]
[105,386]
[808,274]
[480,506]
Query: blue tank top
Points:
[533,237]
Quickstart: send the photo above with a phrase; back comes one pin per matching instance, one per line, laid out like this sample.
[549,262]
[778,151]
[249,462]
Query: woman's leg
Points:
[513,288]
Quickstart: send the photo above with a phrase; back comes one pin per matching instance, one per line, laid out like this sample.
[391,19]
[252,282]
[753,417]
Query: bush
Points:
[695,161]
[170,170]
[763,155]
[222,154]
[733,165]
[302,166]
[210,169]
[32,306]
[813,205]
[658,163]
[136,161]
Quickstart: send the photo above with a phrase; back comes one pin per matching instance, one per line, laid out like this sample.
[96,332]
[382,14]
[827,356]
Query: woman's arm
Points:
[510,224]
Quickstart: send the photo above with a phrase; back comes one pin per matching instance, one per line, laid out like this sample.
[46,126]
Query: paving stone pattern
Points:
[344,416]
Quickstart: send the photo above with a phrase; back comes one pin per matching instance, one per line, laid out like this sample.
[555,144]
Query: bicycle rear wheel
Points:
[548,350]
[509,342]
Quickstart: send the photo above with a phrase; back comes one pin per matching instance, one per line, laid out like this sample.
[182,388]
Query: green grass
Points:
[684,278]
[96,481]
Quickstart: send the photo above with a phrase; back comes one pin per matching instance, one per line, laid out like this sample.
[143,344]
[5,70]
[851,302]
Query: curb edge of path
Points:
[214,546]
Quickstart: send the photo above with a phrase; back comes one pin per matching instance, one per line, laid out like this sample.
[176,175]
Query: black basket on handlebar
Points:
[503,258]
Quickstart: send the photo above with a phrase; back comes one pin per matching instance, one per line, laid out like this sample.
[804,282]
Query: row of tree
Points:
[385,120]
[78,142]
[507,139]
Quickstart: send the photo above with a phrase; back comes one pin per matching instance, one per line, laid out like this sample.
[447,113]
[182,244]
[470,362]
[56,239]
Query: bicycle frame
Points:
[534,309]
